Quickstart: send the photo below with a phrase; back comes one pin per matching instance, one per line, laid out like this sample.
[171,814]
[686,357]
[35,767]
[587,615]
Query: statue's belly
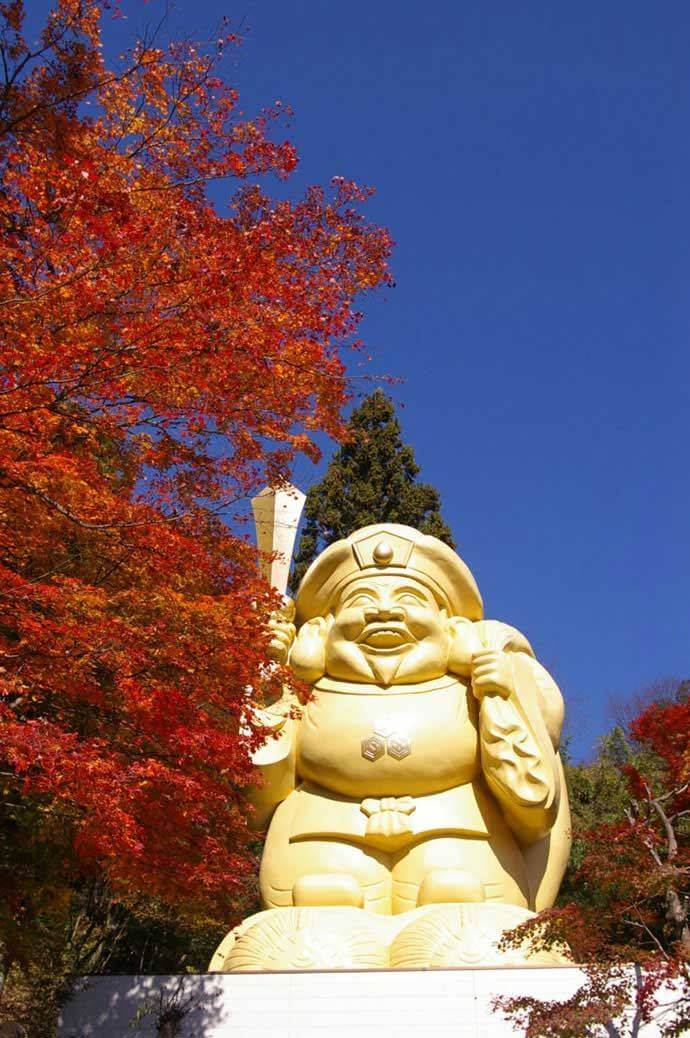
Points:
[389,744]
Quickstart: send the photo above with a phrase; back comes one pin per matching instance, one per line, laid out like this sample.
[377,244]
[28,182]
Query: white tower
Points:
[277,513]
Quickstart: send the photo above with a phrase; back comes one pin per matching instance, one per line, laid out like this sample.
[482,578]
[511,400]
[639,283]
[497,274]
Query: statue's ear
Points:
[464,642]
[308,656]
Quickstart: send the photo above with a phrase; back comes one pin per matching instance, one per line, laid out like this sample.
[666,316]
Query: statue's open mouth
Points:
[383,637]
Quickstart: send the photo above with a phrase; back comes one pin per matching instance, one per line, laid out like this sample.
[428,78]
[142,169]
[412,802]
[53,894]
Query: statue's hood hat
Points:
[389,548]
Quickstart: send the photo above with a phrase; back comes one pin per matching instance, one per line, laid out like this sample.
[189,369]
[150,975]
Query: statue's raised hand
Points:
[282,632]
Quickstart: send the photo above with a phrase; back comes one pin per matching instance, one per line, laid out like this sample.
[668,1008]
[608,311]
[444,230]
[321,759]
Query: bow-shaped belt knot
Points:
[388,817]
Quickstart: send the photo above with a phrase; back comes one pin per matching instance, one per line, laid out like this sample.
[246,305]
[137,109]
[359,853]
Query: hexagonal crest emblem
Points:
[399,747]
[373,747]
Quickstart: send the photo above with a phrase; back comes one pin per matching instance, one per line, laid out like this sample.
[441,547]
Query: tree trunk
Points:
[677,915]
[169,1029]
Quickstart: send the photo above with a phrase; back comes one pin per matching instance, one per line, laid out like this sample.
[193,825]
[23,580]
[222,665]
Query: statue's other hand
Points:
[282,633]
[464,644]
[492,673]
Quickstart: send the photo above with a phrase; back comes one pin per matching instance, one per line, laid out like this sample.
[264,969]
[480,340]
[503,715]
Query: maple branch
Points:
[673,793]
[7,128]
[174,107]
[10,79]
[650,933]
[86,524]
[66,512]
[51,289]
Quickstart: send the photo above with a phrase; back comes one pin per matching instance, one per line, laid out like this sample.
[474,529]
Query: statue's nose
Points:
[384,612]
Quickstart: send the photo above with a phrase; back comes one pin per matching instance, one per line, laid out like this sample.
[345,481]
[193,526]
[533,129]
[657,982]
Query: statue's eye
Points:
[408,599]
[360,599]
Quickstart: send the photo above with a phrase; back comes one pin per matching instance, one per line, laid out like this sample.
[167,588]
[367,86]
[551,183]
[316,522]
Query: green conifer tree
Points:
[371,479]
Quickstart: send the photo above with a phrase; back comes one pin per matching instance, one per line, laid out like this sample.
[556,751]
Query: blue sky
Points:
[532,163]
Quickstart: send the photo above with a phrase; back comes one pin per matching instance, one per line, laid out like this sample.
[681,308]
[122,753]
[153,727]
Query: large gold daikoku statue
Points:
[417,806]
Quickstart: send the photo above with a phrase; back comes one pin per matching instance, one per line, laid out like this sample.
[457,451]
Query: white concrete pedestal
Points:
[396,1003]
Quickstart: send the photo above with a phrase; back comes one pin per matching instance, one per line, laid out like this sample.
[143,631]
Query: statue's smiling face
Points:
[388,629]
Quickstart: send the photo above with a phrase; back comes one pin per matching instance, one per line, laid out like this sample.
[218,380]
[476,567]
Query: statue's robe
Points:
[368,775]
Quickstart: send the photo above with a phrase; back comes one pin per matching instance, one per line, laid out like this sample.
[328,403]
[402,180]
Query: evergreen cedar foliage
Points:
[371,479]
[626,897]
[160,360]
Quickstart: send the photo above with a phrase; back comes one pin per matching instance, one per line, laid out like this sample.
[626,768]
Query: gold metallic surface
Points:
[423,776]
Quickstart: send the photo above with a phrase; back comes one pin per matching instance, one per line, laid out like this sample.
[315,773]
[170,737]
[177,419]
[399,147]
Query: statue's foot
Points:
[304,939]
[466,935]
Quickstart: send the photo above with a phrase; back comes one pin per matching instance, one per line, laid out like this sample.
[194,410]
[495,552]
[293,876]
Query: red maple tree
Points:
[159,360]
[630,928]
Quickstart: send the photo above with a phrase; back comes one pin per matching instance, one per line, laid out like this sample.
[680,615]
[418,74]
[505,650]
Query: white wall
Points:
[395,1003]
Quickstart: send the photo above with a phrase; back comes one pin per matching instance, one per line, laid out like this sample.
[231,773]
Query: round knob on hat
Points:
[383,553]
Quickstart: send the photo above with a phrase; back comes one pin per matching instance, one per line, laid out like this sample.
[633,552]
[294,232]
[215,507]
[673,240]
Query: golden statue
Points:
[417,804]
